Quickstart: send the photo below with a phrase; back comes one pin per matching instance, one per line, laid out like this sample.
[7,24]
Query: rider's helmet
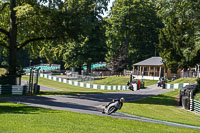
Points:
[122,99]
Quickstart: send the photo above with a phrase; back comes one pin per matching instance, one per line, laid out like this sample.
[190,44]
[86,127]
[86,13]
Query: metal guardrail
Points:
[187,98]
[190,74]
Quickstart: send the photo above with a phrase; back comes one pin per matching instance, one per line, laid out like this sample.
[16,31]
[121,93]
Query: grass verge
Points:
[119,80]
[17,118]
[184,80]
[197,96]
[64,88]
[162,107]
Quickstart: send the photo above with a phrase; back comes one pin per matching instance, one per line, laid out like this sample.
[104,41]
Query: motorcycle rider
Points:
[130,85]
[118,103]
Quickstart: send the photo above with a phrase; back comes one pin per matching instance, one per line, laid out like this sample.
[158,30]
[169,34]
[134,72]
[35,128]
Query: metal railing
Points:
[144,73]
[190,74]
[76,77]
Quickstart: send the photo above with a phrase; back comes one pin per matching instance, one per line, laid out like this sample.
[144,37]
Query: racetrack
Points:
[92,103]
[83,103]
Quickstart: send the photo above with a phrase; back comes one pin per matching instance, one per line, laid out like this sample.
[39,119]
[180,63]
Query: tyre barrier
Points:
[195,106]
[186,98]
[13,89]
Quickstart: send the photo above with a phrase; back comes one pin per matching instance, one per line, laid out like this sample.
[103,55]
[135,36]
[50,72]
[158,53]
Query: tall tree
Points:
[36,23]
[90,47]
[132,32]
[179,43]
[23,23]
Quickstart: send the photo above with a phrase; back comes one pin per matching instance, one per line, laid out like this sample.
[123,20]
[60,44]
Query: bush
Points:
[2,71]
[4,64]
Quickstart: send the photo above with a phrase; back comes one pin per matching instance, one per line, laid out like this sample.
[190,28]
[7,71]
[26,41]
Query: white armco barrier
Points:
[146,77]
[88,85]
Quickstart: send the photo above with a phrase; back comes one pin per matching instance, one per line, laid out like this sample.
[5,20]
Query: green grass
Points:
[149,82]
[71,89]
[65,88]
[119,80]
[21,118]
[184,80]
[162,107]
[17,118]
[2,71]
[197,96]
[112,80]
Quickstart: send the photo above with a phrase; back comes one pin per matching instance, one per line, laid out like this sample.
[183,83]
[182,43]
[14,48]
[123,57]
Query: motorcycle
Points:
[130,86]
[113,106]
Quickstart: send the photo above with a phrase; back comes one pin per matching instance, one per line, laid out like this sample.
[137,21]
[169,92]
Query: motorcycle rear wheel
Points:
[112,110]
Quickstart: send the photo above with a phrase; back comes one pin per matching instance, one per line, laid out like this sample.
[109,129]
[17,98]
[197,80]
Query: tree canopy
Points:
[132,32]
[89,47]
[35,24]
[74,32]
[179,40]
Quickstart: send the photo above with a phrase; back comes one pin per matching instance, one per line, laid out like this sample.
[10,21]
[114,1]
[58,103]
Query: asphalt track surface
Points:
[93,103]
[43,88]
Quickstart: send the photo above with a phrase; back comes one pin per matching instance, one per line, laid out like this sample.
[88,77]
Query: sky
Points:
[109,6]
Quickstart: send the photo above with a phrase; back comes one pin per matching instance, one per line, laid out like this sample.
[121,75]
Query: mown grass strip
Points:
[197,96]
[184,80]
[17,118]
[162,107]
[159,121]
[65,88]
[118,80]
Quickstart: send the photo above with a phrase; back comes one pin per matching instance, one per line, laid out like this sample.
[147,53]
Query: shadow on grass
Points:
[99,78]
[8,108]
[56,103]
[85,101]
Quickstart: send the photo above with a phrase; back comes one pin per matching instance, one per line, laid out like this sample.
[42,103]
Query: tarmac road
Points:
[83,103]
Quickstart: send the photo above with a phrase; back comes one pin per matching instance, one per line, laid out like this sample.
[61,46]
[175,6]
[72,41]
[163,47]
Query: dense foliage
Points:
[74,32]
[89,47]
[179,41]
[132,32]
[43,24]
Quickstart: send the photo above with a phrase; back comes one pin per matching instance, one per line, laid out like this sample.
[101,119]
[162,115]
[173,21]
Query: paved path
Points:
[90,103]
[155,86]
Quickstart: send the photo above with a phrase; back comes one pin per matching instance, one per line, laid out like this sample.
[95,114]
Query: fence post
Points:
[30,84]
